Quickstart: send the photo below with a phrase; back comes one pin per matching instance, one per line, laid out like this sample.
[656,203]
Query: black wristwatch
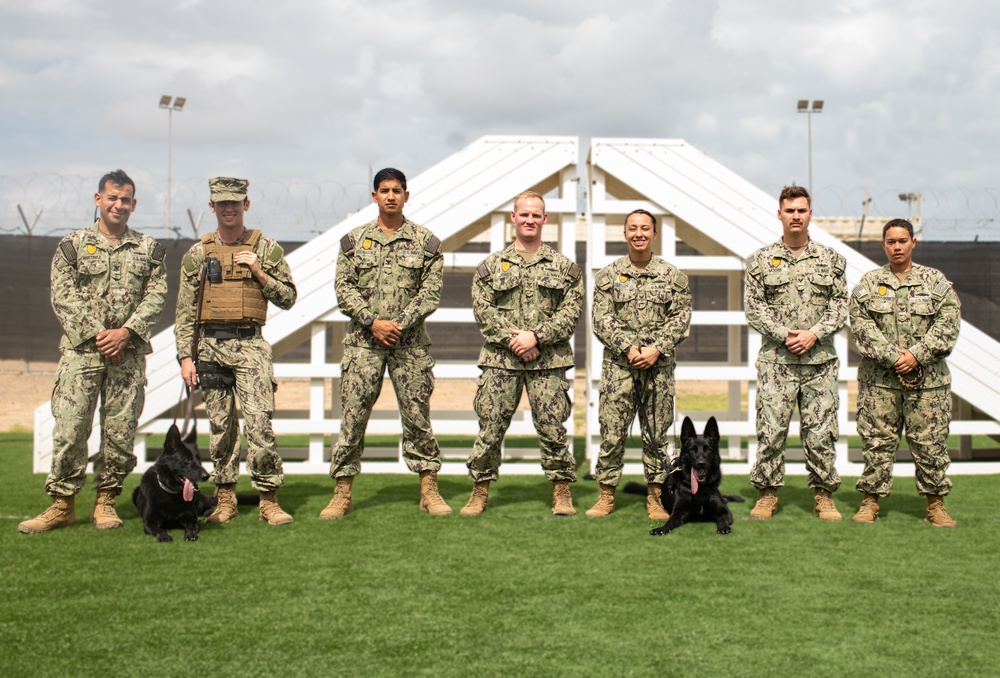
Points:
[369,321]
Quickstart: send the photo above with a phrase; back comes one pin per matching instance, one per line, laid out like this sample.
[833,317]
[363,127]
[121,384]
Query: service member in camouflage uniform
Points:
[389,277]
[642,312]
[905,320]
[233,360]
[527,299]
[796,297]
[108,289]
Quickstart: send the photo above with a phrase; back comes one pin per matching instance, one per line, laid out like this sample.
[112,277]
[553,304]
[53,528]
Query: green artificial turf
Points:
[389,591]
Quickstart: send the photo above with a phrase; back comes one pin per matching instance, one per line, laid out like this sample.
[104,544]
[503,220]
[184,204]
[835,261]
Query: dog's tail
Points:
[241,500]
[632,487]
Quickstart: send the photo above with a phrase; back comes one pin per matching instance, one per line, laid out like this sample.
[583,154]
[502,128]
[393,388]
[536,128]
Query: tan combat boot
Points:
[477,502]
[562,500]
[824,507]
[62,513]
[605,502]
[430,499]
[104,516]
[654,502]
[270,511]
[225,510]
[766,506]
[936,515]
[341,504]
[868,513]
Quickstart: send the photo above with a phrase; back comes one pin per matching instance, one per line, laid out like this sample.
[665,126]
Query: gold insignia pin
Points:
[776,262]
[881,290]
[505,266]
[623,277]
[91,249]
[367,244]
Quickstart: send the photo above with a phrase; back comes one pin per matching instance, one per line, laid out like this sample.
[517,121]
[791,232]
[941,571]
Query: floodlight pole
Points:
[804,107]
[177,104]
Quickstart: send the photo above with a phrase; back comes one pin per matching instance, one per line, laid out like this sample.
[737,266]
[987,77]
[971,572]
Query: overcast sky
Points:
[298,93]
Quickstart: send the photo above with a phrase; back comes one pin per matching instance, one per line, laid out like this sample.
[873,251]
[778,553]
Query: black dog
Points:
[168,495]
[691,492]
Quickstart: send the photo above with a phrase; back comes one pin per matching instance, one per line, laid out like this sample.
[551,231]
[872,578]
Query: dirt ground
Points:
[26,386]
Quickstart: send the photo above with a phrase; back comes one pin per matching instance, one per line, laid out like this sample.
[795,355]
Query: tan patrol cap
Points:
[228,188]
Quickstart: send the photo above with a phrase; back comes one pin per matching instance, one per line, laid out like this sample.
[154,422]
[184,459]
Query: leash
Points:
[189,416]
[643,380]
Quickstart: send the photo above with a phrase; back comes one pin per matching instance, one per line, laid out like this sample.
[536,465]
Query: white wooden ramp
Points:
[726,218]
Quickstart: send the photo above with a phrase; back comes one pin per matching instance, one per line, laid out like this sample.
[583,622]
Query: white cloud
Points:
[318,91]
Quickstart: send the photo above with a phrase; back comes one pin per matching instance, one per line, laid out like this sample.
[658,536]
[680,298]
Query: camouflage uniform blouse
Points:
[397,278]
[280,289]
[647,308]
[96,287]
[784,293]
[545,296]
[922,314]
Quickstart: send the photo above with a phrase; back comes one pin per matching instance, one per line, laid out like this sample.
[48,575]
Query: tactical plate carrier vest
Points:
[238,299]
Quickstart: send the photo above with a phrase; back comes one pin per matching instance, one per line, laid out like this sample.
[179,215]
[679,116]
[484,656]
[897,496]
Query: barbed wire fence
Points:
[55,204]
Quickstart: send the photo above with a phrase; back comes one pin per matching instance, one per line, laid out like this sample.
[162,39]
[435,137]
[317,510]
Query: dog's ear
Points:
[173,438]
[192,436]
[687,429]
[712,430]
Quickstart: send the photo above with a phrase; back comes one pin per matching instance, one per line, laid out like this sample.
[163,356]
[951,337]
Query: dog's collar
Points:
[164,487]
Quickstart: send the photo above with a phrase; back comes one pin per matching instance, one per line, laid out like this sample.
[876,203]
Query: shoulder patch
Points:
[159,252]
[68,251]
[941,289]
[275,253]
[188,265]
[574,271]
[839,264]
[347,244]
[432,246]
[753,267]
[603,280]
[860,292]
[483,271]
[680,280]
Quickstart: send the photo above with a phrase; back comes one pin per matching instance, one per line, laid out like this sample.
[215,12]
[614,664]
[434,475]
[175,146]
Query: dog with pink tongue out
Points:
[168,496]
[691,493]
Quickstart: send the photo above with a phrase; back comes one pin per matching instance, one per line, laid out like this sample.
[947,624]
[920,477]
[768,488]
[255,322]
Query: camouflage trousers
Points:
[250,361]
[362,371]
[81,378]
[497,397]
[813,389]
[623,391]
[883,414]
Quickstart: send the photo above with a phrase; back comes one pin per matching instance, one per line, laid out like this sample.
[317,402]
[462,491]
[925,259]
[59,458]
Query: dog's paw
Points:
[724,529]
[164,537]
[659,531]
[190,537]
